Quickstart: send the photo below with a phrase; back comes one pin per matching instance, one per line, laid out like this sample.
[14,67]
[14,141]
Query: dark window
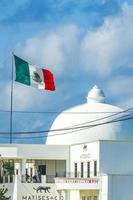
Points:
[83,198]
[82,170]
[42,169]
[31,172]
[75,170]
[95,168]
[88,169]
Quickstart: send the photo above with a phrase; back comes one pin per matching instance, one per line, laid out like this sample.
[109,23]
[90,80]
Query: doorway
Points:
[42,169]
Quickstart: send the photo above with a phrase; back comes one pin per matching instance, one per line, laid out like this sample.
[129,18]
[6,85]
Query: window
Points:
[88,169]
[83,198]
[95,198]
[89,198]
[95,168]
[82,170]
[31,171]
[75,170]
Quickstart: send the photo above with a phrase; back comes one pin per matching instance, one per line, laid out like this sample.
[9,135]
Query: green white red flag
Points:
[33,76]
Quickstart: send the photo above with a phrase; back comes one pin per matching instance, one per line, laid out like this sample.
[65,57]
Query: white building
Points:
[88,158]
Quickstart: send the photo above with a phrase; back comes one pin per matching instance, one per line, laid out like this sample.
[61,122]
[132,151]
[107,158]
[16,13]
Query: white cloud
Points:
[27,98]
[120,88]
[24,97]
[110,46]
[99,52]
[53,49]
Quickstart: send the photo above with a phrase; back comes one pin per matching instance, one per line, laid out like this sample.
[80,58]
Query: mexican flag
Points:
[33,76]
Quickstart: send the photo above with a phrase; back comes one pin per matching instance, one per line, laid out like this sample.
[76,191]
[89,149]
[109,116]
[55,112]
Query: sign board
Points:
[76,180]
[38,192]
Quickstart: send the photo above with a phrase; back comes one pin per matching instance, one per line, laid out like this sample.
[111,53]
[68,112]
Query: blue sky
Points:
[83,42]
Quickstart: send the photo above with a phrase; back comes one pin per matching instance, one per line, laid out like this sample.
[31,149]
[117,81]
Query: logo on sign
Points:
[85,147]
[42,189]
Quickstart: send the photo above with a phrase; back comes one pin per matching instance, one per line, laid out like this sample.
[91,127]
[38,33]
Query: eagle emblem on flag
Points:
[36,77]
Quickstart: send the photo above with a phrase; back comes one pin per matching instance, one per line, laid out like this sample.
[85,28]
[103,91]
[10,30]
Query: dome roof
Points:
[84,123]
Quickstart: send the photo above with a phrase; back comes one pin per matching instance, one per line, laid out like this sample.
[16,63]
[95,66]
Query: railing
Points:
[77,180]
[31,179]
[23,179]
[44,178]
[67,175]
[50,178]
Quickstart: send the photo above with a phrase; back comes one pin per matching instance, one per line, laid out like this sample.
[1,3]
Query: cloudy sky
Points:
[82,42]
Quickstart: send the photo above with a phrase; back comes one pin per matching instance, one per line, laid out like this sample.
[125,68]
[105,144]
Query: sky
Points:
[84,43]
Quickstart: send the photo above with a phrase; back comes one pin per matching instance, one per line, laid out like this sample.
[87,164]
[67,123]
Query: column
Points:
[63,195]
[23,166]
[17,167]
[75,194]
[104,188]
[23,170]
[67,167]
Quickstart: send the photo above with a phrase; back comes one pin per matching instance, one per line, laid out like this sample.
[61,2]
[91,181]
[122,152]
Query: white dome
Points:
[94,112]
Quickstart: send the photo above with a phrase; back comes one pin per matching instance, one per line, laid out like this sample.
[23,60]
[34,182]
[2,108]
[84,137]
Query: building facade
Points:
[99,170]
[89,158]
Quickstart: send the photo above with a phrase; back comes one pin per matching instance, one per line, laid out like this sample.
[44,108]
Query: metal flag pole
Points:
[11,101]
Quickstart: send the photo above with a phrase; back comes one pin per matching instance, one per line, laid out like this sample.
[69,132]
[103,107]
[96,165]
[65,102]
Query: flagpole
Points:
[11,101]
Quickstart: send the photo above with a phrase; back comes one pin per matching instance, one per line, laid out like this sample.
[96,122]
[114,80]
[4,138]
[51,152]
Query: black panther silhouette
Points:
[41,188]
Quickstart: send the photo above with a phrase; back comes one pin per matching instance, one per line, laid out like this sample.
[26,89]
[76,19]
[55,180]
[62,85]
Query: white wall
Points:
[44,151]
[116,157]
[8,152]
[79,154]
[35,151]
